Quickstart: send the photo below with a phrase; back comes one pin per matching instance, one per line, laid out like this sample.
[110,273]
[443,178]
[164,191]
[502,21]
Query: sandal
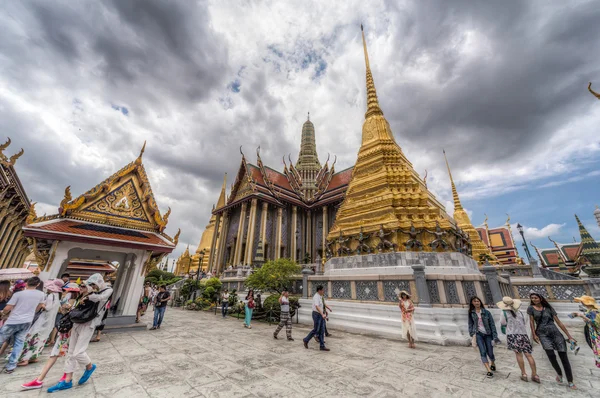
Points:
[524,377]
[559,379]
[95,340]
[535,379]
[572,386]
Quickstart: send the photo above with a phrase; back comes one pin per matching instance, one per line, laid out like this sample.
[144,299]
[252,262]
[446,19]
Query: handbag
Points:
[84,312]
[503,327]
[65,324]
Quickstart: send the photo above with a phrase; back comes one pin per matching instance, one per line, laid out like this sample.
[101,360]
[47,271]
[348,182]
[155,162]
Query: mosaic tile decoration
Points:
[451,292]
[367,291]
[325,287]
[340,290]
[391,289]
[487,293]
[567,292]
[434,294]
[524,290]
[469,289]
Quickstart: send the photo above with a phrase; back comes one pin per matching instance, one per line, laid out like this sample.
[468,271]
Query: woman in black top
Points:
[543,321]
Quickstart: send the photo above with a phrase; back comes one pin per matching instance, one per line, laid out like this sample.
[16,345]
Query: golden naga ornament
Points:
[595,94]
[8,162]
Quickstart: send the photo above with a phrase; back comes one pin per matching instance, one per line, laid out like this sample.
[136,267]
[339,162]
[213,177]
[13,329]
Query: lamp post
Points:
[525,247]
[202,252]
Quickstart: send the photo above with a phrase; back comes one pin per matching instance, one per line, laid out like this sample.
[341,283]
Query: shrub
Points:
[233,298]
[274,276]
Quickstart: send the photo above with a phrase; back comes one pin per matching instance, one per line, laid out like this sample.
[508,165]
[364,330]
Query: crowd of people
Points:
[64,316]
[58,314]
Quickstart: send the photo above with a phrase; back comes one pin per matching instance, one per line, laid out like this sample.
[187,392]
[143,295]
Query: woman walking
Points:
[61,346]
[514,325]
[591,317]
[482,330]
[40,330]
[249,308]
[409,330]
[82,332]
[284,318]
[543,320]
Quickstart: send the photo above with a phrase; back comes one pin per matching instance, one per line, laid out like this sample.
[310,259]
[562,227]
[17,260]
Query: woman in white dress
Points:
[42,327]
[409,330]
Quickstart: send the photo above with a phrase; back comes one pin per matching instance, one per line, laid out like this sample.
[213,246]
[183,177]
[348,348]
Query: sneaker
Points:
[290,339]
[62,385]
[64,377]
[8,371]
[32,385]
[490,375]
[324,349]
[153,328]
[493,367]
[86,375]
[274,336]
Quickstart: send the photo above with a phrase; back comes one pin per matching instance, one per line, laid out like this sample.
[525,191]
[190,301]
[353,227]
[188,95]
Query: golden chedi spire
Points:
[222,196]
[480,252]
[385,190]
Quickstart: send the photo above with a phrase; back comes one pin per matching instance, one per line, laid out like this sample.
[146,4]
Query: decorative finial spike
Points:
[143,149]
[372,101]
[361,28]
[595,94]
[309,116]
[457,204]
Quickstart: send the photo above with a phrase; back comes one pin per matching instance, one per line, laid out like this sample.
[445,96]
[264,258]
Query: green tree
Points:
[274,276]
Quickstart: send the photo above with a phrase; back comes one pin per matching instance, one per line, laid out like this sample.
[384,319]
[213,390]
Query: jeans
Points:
[19,332]
[159,314]
[486,349]
[224,306]
[248,317]
[318,329]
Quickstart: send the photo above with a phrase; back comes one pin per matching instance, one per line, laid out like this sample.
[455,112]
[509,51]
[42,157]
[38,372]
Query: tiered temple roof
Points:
[501,243]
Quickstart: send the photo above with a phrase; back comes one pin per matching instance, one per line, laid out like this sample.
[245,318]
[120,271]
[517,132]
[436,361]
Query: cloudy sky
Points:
[500,85]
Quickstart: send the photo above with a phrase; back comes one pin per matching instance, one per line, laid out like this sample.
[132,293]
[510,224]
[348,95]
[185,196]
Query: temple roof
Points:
[124,200]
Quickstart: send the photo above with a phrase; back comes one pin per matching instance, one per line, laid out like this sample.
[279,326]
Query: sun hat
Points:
[508,303]
[71,287]
[587,300]
[54,285]
[405,292]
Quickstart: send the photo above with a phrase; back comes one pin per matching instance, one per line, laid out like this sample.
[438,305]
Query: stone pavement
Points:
[198,354]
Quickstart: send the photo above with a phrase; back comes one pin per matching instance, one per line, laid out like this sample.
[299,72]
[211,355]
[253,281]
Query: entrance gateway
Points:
[114,229]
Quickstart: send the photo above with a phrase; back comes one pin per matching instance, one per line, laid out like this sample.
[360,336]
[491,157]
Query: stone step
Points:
[133,327]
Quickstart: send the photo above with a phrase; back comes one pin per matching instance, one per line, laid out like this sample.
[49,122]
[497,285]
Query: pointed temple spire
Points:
[372,101]
[308,164]
[222,196]
[480,251]
[589,247]
[457,204]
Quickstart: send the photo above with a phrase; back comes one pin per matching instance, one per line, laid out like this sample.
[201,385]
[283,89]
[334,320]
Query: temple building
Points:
[115,228]
[184,263]
[479,250]
[287,213]
[14,207]
[500,242]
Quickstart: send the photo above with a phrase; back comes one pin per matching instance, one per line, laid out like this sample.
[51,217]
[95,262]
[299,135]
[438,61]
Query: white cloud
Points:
[533,233]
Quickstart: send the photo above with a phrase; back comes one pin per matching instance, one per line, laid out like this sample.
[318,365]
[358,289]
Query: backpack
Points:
[84,312]
[65,324]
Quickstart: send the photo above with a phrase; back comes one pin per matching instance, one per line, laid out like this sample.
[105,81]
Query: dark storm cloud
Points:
[529,79]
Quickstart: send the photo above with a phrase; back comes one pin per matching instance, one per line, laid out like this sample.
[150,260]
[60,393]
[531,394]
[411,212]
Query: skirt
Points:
[61,346]
[519,343]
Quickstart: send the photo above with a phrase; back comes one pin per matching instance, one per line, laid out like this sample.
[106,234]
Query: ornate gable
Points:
[244,184]
[124,199]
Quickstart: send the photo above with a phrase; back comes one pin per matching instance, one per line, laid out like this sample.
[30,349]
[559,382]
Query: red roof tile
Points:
[278,179]
[340,179]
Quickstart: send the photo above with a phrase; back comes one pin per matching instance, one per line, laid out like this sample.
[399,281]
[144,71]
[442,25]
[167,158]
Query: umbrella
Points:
[12,274]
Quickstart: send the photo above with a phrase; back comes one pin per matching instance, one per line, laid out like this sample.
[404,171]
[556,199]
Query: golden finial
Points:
[9,161]
[67,197]
[457,204]
[222,195]
[485,222]
[166,216]
[5,145]
[139,158]
[508,220]
[176,237]
[372,102]
[595,94]
[32,214]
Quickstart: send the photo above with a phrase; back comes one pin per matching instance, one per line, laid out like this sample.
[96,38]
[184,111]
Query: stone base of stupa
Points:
[400,263]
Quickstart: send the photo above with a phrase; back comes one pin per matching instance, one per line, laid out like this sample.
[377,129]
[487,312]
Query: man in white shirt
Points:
[224,302]
[318,315]
[22,307]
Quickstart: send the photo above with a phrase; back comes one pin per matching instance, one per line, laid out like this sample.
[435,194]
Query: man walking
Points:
[284,318]
[224,302]
[22,307]
[318,315]
[161,306]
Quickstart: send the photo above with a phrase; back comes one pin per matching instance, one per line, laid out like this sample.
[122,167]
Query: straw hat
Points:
[405,292]
[509,303]
[54,285]
[587,300]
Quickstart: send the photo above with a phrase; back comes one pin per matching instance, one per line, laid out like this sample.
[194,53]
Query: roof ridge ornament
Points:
[8,162]
[372,101]
[139,158]
[595,94]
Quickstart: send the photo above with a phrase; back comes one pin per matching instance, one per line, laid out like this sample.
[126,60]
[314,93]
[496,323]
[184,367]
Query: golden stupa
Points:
[479,250]
[385,191]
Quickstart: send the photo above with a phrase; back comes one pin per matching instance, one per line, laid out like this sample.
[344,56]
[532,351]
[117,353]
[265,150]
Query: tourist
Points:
[161,306]
[409,330]
[144,300]
[482,329]
[224,302]
[66,278]
[65,298]
[543,321]
[61,346]
[82,332]
[4,296]
[514,325]
[19,286]
[249,308]
[284,317]
[22,307]
[318,316]
[327,310]
[591,317]
[100,327]
[41,328]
